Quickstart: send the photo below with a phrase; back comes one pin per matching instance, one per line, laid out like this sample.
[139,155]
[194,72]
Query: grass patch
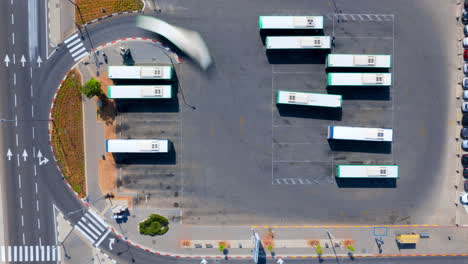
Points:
[67,132]
[92,9]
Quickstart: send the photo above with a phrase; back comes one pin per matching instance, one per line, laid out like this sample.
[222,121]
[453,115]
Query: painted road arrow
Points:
[280,261]
[41,161]
[7,60]
[25,155]
[39,61]
[203,261]
[111,242]
[23,60]
[9,154]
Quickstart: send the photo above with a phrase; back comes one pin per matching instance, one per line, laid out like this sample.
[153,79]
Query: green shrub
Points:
[91,88]
[154,225]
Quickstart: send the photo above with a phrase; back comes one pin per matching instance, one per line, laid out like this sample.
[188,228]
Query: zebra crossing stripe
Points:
[98,218]
[102,228]
[81,56]
[26,253]
[31,251]
[78,52]
[15,253]
[87,230]
[3,254]
[71,38]
[9,253]
[84,234]
[74,43]
[76,47]
[37,252]
[20,253]
[92,227]
[53,255]
[103,237]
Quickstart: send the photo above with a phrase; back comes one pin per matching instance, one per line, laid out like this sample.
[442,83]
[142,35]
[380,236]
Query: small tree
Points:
[91,88]
[154,225]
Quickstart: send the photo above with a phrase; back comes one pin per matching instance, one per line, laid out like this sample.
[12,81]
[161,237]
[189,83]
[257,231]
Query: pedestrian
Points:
[105,57]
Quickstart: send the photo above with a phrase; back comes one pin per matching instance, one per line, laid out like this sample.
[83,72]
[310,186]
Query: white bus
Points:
[367,171]
[309,99]
[359,61]
[139,91]
[298,43]
[140,72]
[290,22]
[360,133]
[137,145]
[359,79]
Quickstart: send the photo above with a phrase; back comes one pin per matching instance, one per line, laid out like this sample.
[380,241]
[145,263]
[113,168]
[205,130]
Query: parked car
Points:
[464,198]
[465,95]
[464,82]
[464,144]
[465,54]
[464,159]
[465,172]
[465,68]
[465,30]
[465,4]
[464,107]
[465,42]
[464,17]
[464,133]
[465,186]
[464,120]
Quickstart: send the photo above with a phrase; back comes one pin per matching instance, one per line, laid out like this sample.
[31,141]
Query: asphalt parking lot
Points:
[243,160]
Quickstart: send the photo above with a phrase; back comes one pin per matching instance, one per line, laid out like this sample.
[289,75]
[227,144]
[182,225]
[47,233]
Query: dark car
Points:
[464,133]
[465,54]
[464,17]
[464,120]
[465,172]
[464,159]
[465,185]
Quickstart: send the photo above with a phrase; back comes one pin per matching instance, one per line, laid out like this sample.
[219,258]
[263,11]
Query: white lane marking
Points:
[48,253]
[37,205]
[22,220]
[71,38]
[16,120]
[103,237]
[21,202]
[81,56]
[19,182]
[70,45]
[35,171]
[3,254]
[14,77]
[17,159]
[98,218]
[30,72]
[32,111]
[15,100]
[83,226]
[102,228]
[84,234]
[13,38]
[12,19]
[36,187]
[16,139]
[11,2]
[31,90]
[24,241]
[33,134]
[15,253]
[78,52]
[14,58]
[39,225]
[40,241]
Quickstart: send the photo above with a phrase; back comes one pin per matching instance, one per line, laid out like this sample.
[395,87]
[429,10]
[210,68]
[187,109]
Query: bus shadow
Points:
[289,32]
[297,57]
[361,93]
[360,146]
[366,183]
[146,158]
[312,112]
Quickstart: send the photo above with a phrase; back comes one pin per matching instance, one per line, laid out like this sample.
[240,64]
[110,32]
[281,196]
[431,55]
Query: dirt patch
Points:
[67,132]
[93,9]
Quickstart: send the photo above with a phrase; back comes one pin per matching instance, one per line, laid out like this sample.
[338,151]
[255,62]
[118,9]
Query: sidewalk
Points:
[61,22]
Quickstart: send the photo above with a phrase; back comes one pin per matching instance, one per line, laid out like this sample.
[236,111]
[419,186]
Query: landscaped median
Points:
[67,132]
[93,9]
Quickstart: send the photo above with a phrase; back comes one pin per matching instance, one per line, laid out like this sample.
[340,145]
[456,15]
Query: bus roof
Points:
[137,145]
[298,42]
[360,133]
[290,22]
[139,91]
[359,79]
[140,72]
[309,99]
[367,171]
[359,60]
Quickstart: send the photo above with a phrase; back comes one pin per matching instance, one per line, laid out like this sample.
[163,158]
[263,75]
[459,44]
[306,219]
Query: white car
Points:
[464,145]
[464,198]
[464,107]
[465,42]
[465,95]
[465,68]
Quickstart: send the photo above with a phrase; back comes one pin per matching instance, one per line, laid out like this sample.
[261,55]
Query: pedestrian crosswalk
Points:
[24,254]
[76,47]
[93,227]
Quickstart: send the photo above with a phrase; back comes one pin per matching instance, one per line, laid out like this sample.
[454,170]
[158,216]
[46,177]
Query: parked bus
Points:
[140,72]
[298,43]
[359,61]
[359,79]
[360,133]
[139,91]
[367,171]
[137,145]
[309,99]
[290,22]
